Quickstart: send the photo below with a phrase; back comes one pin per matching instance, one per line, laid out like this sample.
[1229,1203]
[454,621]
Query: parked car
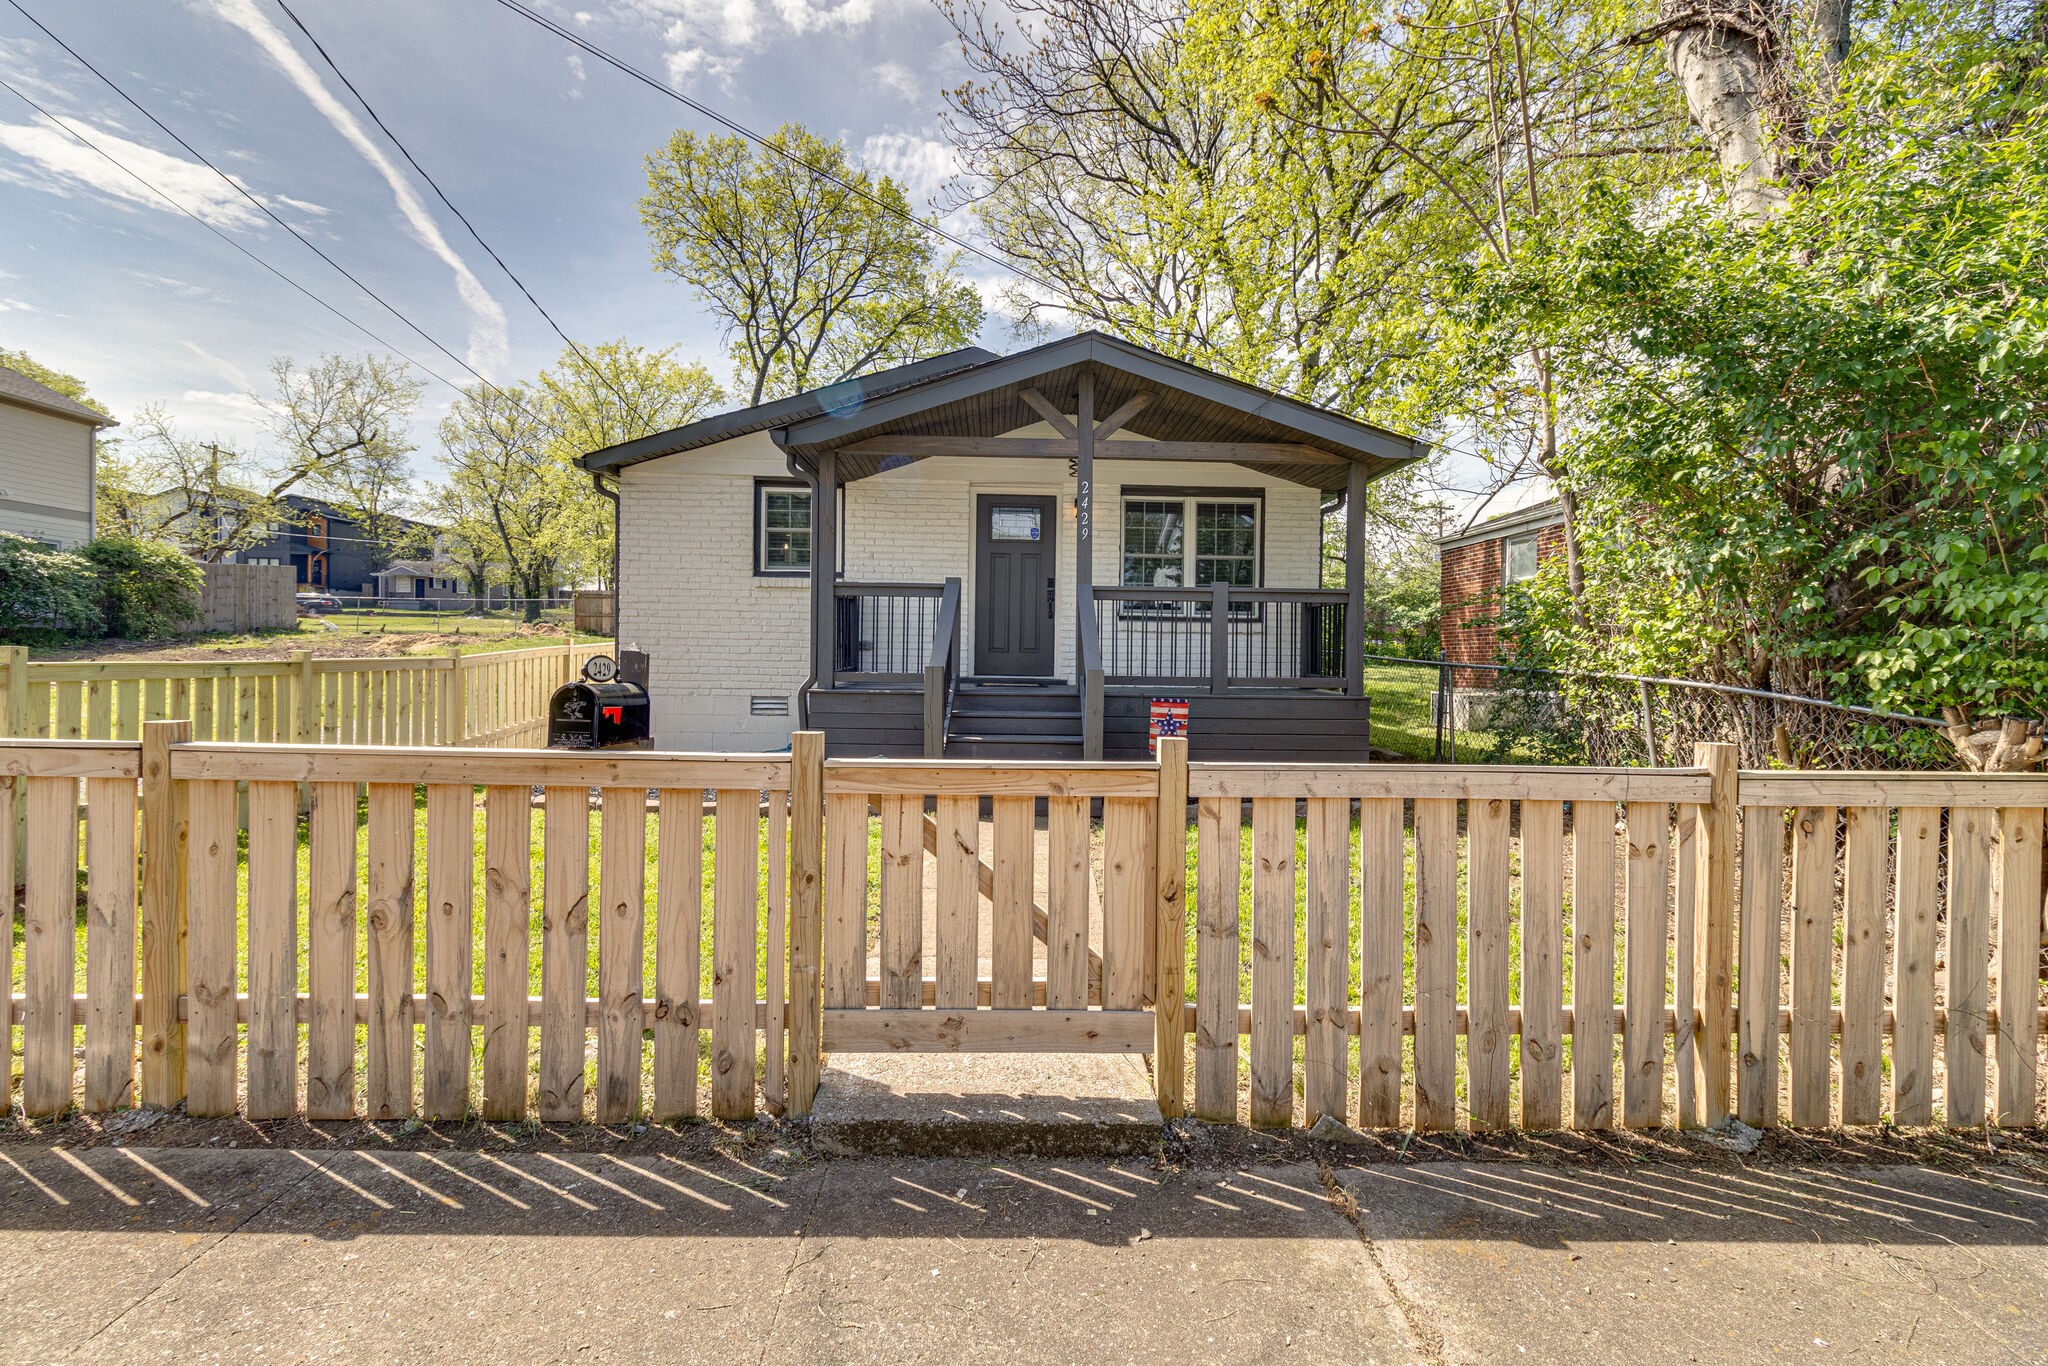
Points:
[315,604]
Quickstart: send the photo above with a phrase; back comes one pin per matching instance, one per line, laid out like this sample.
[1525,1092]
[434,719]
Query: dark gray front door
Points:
[1013,584]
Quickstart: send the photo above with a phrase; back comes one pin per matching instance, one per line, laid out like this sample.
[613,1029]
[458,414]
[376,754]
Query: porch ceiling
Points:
[1186,404]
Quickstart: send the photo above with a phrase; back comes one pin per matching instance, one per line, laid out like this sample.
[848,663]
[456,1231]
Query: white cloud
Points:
[201,406]
[61,164]
[489,343]
[709,38]
[577,75]
[303,206]
[900,81]
[686,65]
[8,305]
[921,165]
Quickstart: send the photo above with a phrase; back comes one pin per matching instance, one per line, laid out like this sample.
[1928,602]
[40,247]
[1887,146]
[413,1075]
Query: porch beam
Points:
[1057,448]
[1044,407]
[1129,409]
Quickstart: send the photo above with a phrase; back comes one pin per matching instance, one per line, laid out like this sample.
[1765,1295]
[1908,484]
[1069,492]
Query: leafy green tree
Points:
[815,282]
[515,506]
[71,386]
[146,589]
[45,595]
[1816,444]
[340,430]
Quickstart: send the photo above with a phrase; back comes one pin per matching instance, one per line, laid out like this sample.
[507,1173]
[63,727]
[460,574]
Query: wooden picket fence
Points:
[1431,946]
[497,699]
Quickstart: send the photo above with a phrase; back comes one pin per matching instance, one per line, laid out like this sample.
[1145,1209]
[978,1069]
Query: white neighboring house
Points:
[1029,552]
[48,455]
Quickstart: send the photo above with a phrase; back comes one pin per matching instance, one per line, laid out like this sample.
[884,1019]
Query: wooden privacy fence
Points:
[1432,946]
[447,699]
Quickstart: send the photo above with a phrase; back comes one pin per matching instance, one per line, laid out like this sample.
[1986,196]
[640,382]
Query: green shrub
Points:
[146,589]
[46,595]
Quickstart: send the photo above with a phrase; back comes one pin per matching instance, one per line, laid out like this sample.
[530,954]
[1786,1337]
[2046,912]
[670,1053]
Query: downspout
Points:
[597,482]
[803,470]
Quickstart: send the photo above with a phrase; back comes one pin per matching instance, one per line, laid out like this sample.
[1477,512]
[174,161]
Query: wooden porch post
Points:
[1084,482]
[824,557]
[1354,581]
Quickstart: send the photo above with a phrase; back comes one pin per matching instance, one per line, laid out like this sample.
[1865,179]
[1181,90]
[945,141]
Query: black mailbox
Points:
[599,712]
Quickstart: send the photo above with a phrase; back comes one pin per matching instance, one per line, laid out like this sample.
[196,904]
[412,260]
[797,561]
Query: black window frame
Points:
[1189,498]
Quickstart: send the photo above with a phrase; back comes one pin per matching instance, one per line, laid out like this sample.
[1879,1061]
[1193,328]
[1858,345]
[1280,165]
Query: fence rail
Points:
[1435,946]
[447,699]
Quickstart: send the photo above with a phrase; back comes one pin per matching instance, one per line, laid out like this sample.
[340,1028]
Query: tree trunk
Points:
[2010,745]
[1723,59]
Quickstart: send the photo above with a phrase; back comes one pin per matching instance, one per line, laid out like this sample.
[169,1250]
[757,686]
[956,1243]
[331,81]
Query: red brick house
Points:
[1475,564]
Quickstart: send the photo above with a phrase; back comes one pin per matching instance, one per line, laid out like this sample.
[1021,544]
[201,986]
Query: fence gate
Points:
[986,935]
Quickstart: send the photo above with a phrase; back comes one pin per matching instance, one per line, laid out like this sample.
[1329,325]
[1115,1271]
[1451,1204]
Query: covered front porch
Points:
[1136,530]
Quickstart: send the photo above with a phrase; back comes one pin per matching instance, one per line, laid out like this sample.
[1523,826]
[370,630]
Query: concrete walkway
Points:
[181,1254]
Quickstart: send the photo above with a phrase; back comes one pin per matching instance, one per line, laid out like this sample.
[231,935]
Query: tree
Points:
[815,282]
[1296,192]
[70,386]
[514,498]
[340,429]
[1821,436]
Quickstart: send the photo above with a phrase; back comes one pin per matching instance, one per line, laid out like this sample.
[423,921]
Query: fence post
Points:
[14,658]
[454,700]
[1170,928]
[305,722]
[1714,936]
[165,834]
[806,919]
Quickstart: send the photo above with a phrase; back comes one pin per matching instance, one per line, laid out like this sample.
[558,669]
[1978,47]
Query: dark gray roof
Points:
[782,411]
[1549,512]
[974,393]
[16,387]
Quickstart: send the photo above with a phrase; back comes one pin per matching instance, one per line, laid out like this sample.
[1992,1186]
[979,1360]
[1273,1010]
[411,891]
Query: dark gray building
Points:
[327,549]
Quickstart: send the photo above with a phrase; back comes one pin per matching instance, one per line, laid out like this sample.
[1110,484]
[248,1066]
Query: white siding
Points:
[718,635]
[45,475]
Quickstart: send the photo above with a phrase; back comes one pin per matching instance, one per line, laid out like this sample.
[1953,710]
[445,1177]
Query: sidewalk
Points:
[183,1254]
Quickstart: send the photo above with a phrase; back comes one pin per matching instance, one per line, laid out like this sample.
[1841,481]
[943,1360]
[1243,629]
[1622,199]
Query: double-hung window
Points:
[1173,540]
[782,529]
[1518,558]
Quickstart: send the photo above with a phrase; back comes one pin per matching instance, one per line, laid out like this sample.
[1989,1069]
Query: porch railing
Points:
[1219,638]
[942,671]
[882,632]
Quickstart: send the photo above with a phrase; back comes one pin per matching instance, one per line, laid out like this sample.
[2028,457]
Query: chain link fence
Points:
[1543,716]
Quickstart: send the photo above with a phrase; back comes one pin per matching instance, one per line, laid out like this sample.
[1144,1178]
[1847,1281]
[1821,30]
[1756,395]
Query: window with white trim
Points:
[1518,558]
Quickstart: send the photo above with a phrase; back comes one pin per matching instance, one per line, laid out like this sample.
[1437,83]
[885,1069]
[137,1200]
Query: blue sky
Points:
[541,147]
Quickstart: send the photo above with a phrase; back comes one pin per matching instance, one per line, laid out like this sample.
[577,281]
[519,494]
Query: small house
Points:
[1480,563]
[49,452]
[1038,555]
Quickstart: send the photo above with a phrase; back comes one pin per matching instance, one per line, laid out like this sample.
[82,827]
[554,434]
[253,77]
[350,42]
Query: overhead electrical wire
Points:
[734,125]
[767,145]
[460,216]
[262,207]
[147,184]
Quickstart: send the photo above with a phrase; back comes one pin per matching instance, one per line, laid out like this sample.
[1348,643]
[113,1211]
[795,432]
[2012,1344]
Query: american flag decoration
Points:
[1169,717]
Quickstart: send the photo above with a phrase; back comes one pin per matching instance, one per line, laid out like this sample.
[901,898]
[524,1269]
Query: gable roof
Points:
[1533,517]
[782,411]
[16,387]
[974,393]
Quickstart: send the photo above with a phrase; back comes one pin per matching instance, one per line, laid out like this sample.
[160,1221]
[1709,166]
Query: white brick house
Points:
[1083,502]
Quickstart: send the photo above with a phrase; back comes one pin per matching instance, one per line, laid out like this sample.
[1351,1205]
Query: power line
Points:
[725,121]
[461,217]
[262,207]
[144,181]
